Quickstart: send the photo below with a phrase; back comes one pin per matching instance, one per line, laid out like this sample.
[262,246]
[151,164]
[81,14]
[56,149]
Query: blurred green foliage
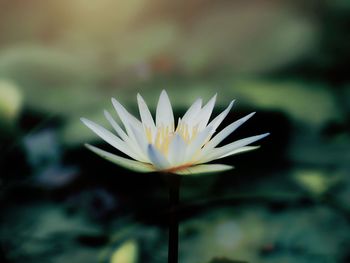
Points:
[287,60]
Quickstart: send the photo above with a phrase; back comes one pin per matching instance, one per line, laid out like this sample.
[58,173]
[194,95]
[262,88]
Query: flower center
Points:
[164,135]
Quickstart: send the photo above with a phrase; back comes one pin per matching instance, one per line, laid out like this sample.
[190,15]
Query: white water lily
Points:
[160,146]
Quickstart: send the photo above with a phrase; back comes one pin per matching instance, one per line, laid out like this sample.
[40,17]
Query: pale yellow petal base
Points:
[202,169]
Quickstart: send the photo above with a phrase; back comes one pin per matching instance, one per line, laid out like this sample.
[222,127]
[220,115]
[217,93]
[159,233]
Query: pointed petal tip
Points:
[212,100]
[265,134]
[89,146]
[164,93]
[247,117]
[107,115]
[115,101]
[140,99]
[262,136]
[85,121]
[164,111]
[89,123]
[231,104]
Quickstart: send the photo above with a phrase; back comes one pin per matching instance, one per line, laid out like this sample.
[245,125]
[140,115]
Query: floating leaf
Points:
[126,253]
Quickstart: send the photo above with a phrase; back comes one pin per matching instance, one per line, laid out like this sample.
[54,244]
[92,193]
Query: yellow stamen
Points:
[164,135]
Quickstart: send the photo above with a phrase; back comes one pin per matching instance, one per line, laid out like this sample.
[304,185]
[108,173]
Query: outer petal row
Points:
[126,163]
[227,149]
[218,119]
[131,143]
[130,123]
[224,133]
[111,138]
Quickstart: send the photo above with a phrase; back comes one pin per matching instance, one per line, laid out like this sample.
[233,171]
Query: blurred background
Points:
[288,60]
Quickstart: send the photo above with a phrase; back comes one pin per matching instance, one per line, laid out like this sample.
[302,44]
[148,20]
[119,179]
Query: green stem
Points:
[174,197]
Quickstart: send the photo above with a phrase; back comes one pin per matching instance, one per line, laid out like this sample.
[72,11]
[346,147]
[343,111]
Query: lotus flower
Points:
[160,146]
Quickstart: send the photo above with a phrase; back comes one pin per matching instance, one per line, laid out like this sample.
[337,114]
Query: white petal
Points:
[129,121]
[177,150]
[126,118]
[126,163]
[141,141]
[164,114]
[240,150]
[218,120]
[198,142]
[205,113]
[225,132]
[145,114]
[116,126]
[110,138]
[222,151]
[204,168]
[157,158]
[192,111]
[141,153]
